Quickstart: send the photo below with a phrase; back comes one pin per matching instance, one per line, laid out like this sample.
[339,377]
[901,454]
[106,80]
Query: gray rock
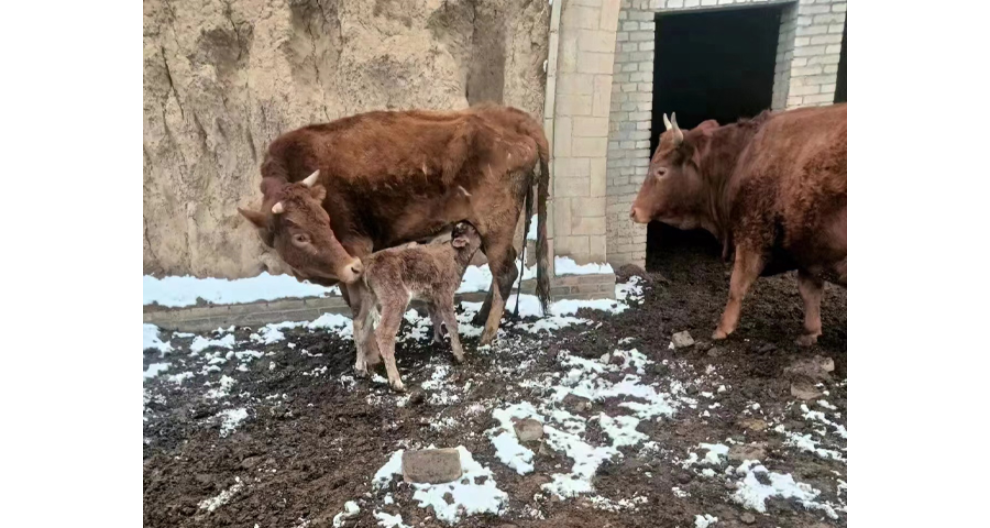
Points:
[682,340]
[804,390]
[747,518]
[741,452]
[528,430]
[753,424]
[431,466]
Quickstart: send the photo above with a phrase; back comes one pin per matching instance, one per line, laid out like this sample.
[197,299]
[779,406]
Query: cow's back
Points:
[793,175]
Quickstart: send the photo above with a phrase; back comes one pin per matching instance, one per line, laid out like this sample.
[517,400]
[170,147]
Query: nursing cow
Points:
[773,189]
[336,192]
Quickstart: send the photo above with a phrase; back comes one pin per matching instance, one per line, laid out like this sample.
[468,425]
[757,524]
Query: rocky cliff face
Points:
[222,78]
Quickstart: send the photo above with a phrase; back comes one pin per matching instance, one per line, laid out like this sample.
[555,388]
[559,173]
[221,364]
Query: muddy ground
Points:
[302,437]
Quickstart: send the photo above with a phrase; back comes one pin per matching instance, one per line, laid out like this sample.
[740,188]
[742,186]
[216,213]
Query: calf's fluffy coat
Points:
[393,277]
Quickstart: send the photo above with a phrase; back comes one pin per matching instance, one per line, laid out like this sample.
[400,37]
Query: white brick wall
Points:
[804,75]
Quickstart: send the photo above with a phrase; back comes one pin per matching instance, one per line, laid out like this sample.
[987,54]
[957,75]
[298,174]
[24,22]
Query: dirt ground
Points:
[311,438]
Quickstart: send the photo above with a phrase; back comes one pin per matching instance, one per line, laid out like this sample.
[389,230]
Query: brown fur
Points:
[388,178]
[773,188]
[393,277]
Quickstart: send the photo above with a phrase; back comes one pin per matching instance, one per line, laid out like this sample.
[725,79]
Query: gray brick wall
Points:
[804,75]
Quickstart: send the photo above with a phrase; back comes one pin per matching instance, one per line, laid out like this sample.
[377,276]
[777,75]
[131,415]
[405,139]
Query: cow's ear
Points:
[318,192]
[259,219]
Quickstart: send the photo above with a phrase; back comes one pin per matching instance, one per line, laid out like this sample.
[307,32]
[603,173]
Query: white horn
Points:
[678,134]
[278,208]
[311,179]
[463,190]
[666,122]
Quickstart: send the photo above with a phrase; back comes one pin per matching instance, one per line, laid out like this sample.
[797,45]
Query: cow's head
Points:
[293,221]
[674,190]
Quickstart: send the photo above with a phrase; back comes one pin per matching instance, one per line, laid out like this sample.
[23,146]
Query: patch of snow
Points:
[350,510]
[390,521]
[223,498]
[508,449]
[567,266]
[630,291]
[808,444]
[183,291]
[587,459]
[679,493]
[152,340]
[180,377]
[753,494]
[230,419]
[704,521]
[226,382]
[820,417]
[155,369]
[621,429]
[202,343]
[479,278]
[827,405]
[467,496]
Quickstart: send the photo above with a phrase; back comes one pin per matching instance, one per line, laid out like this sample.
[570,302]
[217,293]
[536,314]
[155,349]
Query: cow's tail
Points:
[528,212]
[542,194]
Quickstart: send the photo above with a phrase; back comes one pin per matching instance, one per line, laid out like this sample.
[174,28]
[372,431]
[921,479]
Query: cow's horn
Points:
[278,208]
[666,122]
[678,134]
[463,191]
[311,179]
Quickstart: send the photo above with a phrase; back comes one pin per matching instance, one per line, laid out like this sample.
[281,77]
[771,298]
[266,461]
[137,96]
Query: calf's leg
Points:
[355,296]
[449,316]
[363,332]
[437,320]
[388,327]
[811,289]
[747,268]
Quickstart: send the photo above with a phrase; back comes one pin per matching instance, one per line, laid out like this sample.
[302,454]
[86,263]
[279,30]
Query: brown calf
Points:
[393,277]
[336,192]
[773,188]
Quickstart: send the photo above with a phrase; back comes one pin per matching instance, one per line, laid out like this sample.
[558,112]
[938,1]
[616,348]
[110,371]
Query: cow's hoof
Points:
[807,340]
[479,320]
[487,338]
[719,335]
[360,372]
[397,386]
[458,358]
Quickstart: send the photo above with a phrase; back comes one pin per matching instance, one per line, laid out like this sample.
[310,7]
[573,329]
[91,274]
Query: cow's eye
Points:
[300,238]
[661,172]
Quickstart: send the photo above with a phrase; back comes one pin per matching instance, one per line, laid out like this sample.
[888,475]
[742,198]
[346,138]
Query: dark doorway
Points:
[840,78]
[709,65]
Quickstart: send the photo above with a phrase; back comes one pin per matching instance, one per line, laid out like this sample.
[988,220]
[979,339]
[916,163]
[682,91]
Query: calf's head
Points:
[674,190]
[465,240]
[294,223]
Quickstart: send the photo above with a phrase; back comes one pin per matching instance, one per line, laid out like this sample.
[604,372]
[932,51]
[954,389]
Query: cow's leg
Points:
[501,261]
[449,316]
[811,289]
[388,327]
[747,268]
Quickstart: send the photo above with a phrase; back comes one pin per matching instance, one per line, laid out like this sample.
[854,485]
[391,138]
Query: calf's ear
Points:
[459,242]
[259,219]
[318,192]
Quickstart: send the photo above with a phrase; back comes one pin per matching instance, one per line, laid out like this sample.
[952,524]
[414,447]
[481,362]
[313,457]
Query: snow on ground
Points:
[223,498]
[508,449]
[753,494]
[567,266]
[704,521]
[177,292]
[151,340]
[230,419]
[155,369]
[475,492]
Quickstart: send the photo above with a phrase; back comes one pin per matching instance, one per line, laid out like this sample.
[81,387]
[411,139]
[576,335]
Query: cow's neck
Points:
[718,167]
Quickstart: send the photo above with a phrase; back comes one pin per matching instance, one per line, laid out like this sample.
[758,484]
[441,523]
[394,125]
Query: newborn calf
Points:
[393,277]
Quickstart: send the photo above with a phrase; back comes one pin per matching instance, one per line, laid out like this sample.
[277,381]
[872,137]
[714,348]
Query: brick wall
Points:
[804,75]
[580,128]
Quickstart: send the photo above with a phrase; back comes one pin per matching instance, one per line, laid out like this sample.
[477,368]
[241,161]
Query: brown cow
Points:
[773,188]
[337,192]
[393,277]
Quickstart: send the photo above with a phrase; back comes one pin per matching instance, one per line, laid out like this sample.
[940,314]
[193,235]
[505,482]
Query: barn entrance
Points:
[709,65]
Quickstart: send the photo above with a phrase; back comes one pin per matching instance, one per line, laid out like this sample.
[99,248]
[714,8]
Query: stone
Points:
[804,390]
[811,369]
[743,452]
[682,340]
[753,424]
[431,466]
[576,404]
[528,430]
[747,518]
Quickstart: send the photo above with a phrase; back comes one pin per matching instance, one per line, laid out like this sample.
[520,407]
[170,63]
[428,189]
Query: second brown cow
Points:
[772,188]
